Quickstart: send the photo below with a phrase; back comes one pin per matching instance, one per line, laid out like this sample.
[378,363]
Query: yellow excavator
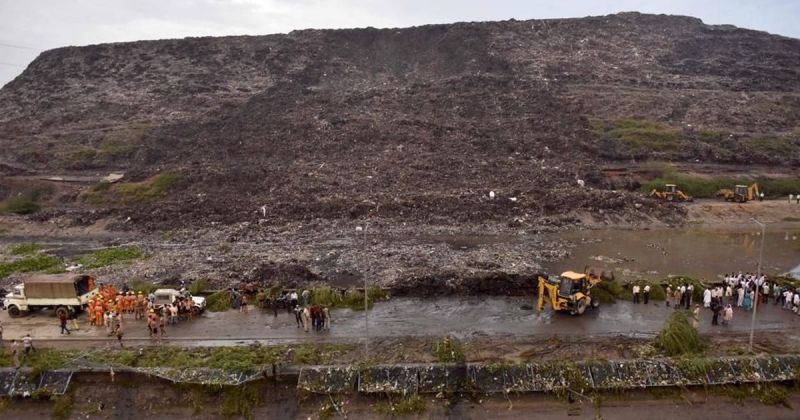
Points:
[670,193]
[740,193]
[569,292]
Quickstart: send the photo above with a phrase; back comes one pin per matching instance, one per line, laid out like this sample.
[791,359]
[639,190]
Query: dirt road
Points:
[406,317]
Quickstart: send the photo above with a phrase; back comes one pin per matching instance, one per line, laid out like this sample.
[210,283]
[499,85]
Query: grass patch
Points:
[25,201]
[148,191]
[679,337]
[34,263]
[109,256]
[448,350]
[407,406]
[637,135]
[25,249]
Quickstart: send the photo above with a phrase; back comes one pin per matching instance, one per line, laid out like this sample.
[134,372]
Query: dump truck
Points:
[61,292]
[670,193]
[569,292]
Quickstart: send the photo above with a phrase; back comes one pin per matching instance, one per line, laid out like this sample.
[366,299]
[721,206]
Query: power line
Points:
[22,47]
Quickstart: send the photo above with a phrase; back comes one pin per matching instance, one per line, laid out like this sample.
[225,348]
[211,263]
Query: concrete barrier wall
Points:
[539,377]
[454,378]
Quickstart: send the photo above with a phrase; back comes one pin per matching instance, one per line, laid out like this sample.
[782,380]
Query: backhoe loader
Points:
[740,193]
[670,193]
[569,292]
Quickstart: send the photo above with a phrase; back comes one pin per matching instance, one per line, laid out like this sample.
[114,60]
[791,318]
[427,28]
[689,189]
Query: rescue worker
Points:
[90,311]
[120,303]
[98,313]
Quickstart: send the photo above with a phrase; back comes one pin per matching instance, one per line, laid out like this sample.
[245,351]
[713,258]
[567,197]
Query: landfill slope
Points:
[413,124]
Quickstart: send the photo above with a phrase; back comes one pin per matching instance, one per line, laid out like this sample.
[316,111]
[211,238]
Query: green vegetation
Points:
[695,368]
[707,187]
[638,136]
[109,256]
[219,301]
[769,394]
[679,337]
[62,407]
[148,191]
[198,286]
[240,400]
[34,263]
[25,201]
[407,406]
[353,299]
[610,291]
[448,350]
[239,359]
[139,285]
[24,249]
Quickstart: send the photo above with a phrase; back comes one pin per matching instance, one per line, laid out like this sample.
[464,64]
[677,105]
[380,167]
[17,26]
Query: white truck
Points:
[61,292]
[163,297]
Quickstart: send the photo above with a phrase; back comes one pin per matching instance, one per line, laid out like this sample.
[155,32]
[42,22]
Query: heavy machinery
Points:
[740,193]
[569,292]
[670,193]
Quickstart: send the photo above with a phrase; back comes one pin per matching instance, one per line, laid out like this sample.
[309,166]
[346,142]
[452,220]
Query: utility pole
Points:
[758,276]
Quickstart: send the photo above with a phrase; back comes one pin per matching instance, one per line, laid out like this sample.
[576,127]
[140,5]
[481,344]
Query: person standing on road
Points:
[791,196]
[683,297]
[740,299]
[677,298]
[696,316]
[727,316]
[646,293]
[729,293]
[62,320]
[690,291]
[635,293]
[668,297]
[292,300]
[765,292]
[306,294]
[716,308]
[707,298]
[120,333]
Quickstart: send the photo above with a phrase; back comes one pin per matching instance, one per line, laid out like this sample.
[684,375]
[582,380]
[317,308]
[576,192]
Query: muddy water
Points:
[412,317]
[705,253]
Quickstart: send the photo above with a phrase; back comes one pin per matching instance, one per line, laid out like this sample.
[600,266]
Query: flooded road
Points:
[704,253]
[408,317]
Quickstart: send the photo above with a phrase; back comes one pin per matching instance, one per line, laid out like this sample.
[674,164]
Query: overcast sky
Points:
[28,27]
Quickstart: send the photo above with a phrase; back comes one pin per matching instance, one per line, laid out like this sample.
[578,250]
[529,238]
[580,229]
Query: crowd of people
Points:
[110,307]
[737,290]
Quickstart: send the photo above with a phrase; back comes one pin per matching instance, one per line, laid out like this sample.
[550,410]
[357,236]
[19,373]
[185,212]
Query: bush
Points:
[240,400]
[679,337]
[610,291]
[25,201]
[148,191]
[219,301]
[109,256]
[198,286]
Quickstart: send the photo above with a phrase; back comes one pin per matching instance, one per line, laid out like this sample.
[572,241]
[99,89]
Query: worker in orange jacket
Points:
[98,313]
